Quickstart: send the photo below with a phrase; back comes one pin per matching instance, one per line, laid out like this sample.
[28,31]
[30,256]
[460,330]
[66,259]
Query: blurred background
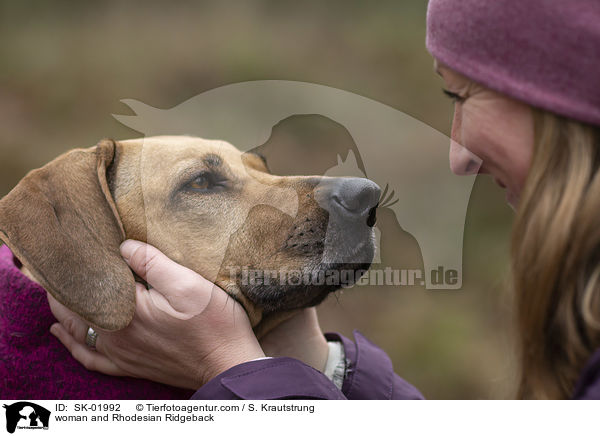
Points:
[66,66]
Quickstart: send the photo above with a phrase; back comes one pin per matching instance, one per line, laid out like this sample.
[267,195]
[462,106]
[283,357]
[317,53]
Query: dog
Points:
[207,206]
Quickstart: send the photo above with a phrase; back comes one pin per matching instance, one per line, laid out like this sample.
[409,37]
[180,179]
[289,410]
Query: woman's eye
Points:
[454,96]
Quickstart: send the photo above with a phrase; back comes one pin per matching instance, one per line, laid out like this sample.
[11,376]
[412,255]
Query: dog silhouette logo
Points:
[407,158]
[26,415]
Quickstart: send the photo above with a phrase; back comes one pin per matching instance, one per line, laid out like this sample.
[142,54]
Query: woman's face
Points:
[495,128]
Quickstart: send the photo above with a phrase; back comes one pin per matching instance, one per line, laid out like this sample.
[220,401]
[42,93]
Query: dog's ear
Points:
[256,160]
[61,222]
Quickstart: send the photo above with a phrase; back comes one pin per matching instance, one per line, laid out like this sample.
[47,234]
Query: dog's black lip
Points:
[372,218]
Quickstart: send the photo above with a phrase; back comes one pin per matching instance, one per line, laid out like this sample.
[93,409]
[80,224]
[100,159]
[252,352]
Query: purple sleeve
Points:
[588,386]
[370,374]
[269,379]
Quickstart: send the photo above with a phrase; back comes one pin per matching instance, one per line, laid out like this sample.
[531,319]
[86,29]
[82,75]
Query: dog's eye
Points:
[200,183]
[206,182]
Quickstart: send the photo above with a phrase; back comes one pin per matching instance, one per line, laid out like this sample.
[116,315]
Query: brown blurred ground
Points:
[66,65]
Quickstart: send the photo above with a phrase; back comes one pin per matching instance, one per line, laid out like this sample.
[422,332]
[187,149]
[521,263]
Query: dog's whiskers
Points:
[387,200]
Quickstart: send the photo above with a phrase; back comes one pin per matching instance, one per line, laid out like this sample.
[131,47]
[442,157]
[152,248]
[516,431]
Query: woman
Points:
[524,77]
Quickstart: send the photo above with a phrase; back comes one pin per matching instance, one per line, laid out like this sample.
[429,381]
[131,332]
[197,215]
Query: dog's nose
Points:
[351,197]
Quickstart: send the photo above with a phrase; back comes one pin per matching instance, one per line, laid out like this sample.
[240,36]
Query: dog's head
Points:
[273,243]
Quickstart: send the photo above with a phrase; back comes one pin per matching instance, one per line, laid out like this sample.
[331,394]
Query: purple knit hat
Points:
[543,52]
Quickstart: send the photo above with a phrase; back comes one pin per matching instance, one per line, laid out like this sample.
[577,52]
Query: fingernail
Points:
[53,329]
[128,248]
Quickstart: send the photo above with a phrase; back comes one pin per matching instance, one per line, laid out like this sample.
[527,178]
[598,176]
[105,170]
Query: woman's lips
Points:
[511,198]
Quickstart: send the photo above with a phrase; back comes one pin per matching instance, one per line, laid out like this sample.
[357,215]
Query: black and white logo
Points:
[26,415]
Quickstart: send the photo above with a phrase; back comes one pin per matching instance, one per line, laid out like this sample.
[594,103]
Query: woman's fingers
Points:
[72,331]
[90,359]
[69,320]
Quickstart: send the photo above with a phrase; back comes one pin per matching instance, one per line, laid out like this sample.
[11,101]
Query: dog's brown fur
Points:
[65,223]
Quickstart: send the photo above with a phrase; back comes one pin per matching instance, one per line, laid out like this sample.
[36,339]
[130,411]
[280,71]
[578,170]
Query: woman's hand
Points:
[185,330]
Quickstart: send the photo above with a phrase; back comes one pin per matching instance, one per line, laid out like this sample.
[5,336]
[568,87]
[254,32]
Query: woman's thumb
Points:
[144,259]
[175,282]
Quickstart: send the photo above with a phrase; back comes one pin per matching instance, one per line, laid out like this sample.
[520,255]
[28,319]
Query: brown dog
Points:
[206,205]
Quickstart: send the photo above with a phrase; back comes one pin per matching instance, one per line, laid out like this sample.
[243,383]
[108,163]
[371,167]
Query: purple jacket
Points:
[34,365]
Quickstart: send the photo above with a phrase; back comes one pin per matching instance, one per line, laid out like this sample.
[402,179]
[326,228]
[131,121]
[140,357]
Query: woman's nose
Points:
[462,161]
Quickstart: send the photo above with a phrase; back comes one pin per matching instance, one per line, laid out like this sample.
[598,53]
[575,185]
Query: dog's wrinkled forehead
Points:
[173,156]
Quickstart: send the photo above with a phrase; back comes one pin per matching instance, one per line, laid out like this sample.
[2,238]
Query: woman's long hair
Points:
[556,257]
